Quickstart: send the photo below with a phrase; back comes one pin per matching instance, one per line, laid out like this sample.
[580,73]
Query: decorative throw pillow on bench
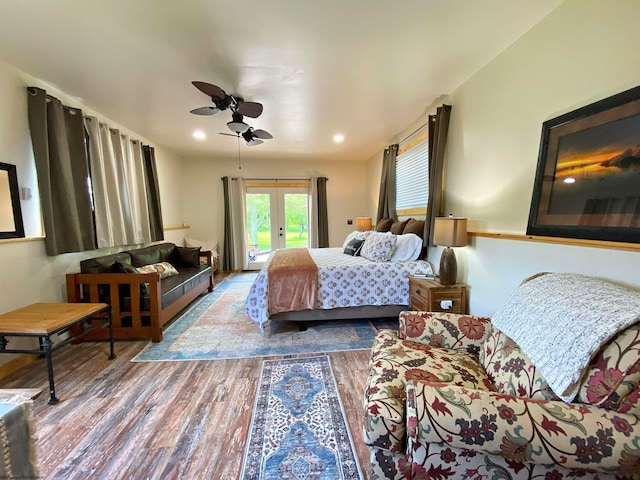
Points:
[165,269]
[206,246]
[188,256]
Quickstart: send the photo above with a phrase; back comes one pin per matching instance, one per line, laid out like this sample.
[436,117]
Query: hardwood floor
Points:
[161,420]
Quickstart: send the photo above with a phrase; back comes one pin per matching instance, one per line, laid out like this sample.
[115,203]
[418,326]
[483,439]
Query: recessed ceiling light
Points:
[199,134]
[569,180]
[338,138]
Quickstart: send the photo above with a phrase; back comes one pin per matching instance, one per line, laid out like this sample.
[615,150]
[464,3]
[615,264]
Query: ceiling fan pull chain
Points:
[239,164]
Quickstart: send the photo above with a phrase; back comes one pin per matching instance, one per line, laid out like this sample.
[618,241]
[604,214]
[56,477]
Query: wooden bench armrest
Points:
[113,281]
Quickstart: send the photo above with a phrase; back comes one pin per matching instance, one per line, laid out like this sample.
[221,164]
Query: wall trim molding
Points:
[22,239]
[41,239]
[577,242]
[177,227]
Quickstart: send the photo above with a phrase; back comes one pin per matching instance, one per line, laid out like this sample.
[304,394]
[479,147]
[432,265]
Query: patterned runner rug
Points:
[299,429]
[217,327]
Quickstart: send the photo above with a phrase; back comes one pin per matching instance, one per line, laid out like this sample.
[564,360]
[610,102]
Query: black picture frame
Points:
[10,203]
[587,183]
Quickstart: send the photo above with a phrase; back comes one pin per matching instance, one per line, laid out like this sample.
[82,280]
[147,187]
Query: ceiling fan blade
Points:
[249,109]
[228,134]
[211,90]
[254,142]
[205,111]
[262,134]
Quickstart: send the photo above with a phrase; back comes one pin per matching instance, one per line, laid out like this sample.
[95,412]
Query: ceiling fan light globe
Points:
[238,127]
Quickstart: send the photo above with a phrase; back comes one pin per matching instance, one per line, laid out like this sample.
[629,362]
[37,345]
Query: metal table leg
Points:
[46,345]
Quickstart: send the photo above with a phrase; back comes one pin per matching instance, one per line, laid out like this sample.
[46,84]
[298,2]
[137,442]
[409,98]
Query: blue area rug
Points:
[217,327]
[299,429]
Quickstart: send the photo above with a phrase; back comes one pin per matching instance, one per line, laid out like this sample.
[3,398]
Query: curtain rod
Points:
[414,132]
[270,179]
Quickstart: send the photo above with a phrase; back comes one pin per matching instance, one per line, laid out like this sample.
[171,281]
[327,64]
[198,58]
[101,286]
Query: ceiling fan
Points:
[239,109]
[251,136]
[223,101]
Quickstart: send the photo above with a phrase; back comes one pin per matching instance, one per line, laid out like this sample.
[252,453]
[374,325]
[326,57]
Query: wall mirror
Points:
[11,225]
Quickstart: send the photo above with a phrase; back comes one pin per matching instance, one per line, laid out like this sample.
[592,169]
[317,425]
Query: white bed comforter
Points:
[344,281]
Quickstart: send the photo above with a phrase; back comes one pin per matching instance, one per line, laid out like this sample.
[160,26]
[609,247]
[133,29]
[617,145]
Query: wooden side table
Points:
[431,296]
[41,320]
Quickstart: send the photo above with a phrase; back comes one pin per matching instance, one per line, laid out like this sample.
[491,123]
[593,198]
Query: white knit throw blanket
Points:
[560,320]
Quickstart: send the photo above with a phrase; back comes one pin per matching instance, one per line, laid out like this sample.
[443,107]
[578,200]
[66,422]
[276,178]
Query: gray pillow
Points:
[353,247]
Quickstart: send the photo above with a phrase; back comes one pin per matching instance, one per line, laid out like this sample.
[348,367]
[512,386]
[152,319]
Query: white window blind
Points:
[412,177]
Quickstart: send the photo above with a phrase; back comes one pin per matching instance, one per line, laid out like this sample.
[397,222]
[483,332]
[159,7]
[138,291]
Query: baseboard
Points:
[16,364]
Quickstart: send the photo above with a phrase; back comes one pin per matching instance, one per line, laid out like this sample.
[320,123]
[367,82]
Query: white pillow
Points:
[408,248]
[207,245]
[357,235]
[165,269]
[378,247]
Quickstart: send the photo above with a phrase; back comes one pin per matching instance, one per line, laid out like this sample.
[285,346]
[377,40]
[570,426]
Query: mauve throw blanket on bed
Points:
[293,281]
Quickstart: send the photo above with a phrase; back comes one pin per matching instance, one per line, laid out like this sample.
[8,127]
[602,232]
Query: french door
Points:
[277,217]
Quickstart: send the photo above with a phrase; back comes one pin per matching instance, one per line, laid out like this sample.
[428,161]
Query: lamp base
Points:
[448,267]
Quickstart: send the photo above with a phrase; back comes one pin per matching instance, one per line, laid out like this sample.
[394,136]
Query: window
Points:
[412,179]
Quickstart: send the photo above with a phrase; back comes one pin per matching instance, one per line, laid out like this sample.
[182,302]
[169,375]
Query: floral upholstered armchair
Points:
[453,397]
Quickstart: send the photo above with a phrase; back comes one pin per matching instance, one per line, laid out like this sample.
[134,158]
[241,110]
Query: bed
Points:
[348,286]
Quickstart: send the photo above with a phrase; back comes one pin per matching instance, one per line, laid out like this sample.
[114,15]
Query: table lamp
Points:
[363,224]
[449,232]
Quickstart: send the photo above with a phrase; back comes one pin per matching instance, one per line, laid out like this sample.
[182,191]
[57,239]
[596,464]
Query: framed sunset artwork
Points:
[587,181]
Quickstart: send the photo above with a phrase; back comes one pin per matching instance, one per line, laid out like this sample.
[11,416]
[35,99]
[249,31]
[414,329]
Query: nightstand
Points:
[431,296]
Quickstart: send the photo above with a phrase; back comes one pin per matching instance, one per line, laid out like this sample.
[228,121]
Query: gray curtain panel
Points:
[57,135]
[153,194]
[323,217]
[387,199]
[228,250]
[438,129]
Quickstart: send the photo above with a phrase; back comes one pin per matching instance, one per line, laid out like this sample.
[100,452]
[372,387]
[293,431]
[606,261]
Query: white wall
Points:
[28,274]
[204,203]
[15,142]
[582,52]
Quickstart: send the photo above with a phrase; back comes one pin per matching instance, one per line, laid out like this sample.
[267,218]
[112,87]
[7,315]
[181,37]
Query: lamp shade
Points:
[450,231]
[236,124]
[238,127]
[363,224]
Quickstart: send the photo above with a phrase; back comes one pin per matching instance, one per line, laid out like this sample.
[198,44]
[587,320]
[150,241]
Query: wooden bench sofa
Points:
[142,302]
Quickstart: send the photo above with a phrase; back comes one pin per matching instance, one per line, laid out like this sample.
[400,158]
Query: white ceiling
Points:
[366,69]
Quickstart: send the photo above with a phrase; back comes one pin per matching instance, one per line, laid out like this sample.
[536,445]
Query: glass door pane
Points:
[296,220]
[258,227]
[276,218]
